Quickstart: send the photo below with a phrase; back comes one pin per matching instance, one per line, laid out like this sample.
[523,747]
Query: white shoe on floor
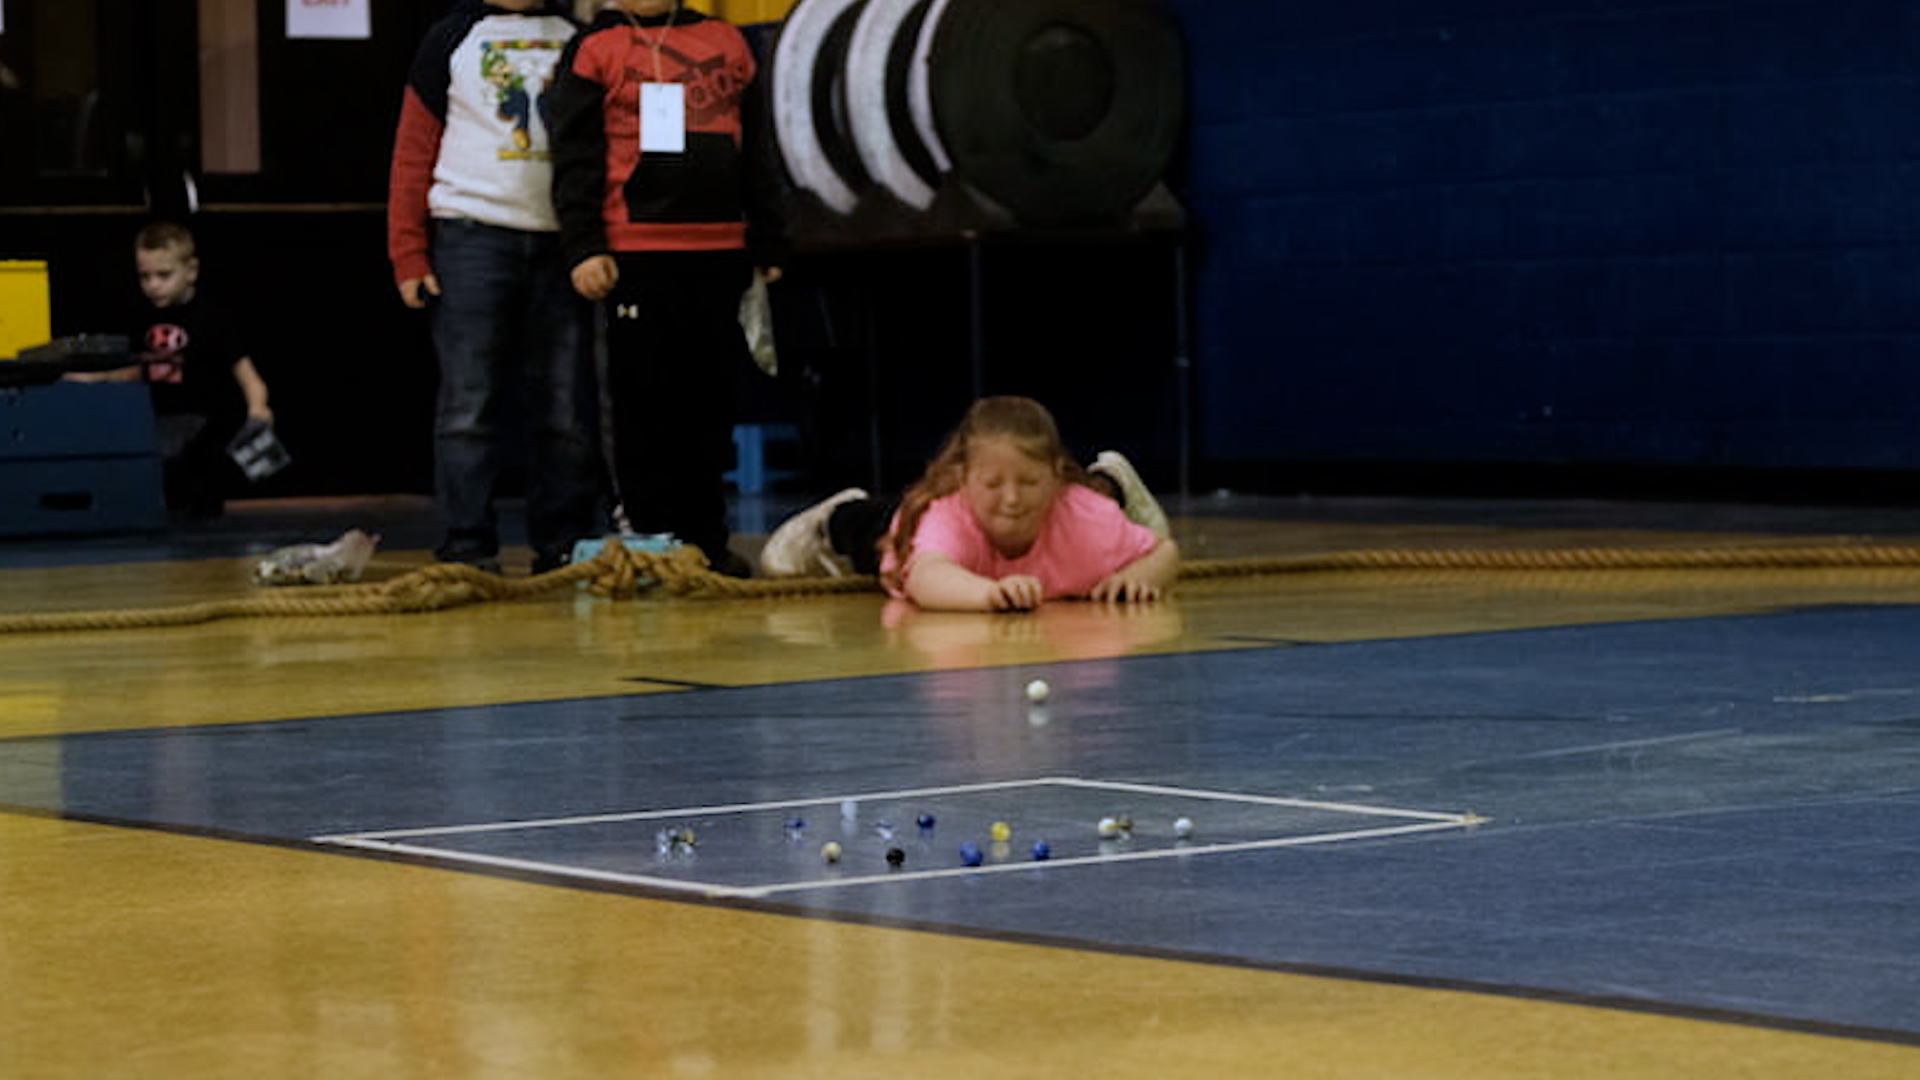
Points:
[799,547]
[1142,508]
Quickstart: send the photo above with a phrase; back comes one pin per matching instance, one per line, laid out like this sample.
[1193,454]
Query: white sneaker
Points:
[1142,508]
[799,547]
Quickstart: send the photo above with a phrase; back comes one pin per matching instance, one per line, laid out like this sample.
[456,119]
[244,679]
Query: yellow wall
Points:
[25,310]
[741,12]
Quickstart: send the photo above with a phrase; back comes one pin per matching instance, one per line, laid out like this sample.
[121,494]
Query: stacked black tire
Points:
[902,119]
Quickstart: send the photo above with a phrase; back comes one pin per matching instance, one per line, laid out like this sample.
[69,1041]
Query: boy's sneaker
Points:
[799,547]
[468,554]
[1141,507]
[486,564]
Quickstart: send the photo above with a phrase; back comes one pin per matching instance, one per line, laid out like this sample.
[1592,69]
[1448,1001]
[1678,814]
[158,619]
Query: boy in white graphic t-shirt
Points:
[474,241]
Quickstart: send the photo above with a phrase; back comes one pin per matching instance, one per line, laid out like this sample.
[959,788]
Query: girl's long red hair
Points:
[1022,421]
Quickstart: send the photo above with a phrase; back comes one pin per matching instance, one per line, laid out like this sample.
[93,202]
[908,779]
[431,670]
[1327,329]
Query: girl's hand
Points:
[1016,593]
[1127,587]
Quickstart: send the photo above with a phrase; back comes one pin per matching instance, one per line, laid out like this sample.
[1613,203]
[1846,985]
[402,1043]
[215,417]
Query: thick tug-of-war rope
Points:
[617,571]
[621,572]
[1748,557]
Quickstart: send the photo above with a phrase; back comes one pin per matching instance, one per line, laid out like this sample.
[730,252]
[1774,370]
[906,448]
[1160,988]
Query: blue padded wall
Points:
[1603,232]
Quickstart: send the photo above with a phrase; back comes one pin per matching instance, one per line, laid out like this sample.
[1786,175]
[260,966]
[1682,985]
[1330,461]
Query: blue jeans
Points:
[508,322]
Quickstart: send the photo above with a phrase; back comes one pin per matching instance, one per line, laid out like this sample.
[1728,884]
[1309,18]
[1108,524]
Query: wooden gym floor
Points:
[1461,823]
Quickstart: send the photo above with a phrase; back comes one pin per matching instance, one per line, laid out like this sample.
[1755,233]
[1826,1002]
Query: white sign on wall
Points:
[328,19]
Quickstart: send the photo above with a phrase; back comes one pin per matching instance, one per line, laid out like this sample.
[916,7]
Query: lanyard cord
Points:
[659,39]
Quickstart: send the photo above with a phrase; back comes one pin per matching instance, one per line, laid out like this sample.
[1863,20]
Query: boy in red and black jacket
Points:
[665,211]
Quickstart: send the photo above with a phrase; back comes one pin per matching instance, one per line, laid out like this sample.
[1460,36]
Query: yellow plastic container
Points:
[26,311]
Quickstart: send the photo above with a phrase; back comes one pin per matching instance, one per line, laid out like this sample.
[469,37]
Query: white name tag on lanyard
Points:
[663,118]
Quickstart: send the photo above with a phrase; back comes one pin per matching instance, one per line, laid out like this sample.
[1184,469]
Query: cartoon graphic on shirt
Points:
[519,72]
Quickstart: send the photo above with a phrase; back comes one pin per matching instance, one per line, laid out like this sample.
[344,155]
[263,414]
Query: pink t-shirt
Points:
[1085,538]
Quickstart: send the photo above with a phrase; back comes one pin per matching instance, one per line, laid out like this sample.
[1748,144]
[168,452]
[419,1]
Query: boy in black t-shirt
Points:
[195,361]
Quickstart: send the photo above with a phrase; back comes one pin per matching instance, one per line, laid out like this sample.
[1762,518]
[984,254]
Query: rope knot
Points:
[617,572]
[440,585]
